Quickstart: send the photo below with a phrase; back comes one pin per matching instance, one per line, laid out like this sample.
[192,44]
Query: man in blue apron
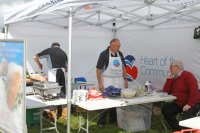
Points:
[111,71]
[57,67]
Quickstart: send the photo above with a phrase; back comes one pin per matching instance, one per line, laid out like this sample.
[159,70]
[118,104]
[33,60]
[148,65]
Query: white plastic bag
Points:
[79,96]
[134,118]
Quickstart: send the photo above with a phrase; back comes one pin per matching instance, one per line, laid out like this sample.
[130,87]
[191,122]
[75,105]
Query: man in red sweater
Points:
[184,86]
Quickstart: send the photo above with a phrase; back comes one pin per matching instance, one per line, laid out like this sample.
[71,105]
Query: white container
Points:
[148,86]
[128,93]
[134,118]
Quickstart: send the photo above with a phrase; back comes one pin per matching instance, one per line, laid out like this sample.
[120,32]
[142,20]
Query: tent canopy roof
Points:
[108,14]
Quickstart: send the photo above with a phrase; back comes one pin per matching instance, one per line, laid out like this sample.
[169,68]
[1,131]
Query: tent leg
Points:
[114,30]
[69,70]
[6,32]
[114,33]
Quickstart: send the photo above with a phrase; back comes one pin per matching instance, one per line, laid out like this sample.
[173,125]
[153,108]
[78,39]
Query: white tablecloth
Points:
[92,105]
[191,123]
[34,101]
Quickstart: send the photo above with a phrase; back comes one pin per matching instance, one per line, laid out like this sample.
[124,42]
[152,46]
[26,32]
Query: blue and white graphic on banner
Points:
[12,51]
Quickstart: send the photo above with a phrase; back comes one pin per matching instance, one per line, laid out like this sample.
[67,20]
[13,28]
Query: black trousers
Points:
[60,78]
[171,110]
[111,113]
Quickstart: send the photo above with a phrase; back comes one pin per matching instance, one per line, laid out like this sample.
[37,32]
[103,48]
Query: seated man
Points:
[184,86]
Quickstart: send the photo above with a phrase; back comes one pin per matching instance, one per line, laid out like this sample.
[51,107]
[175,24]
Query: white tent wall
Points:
[161,45]
[158,44]
[134,17]
[2,35]
[87,43]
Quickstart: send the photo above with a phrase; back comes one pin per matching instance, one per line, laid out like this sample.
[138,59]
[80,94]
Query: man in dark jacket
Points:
[57,67]
[111,71]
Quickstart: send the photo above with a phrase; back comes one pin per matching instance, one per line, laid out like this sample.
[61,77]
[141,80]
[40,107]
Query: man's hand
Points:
[99,78]
[170,76]
[40,66]
[36,59]
[186,107]
[126,83]
[66,69]
[101,87]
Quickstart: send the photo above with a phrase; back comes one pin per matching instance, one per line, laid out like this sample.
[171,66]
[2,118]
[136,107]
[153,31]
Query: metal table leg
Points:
[161,116]
[41,117]
[53,123]
[87,126]
[163,123]
[81,123]
[162,119]
[55,120]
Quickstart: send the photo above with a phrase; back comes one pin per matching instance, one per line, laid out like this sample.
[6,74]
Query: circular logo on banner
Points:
[116,63]
[131,70]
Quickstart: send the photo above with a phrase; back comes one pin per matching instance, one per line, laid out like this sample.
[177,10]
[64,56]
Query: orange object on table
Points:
[188,130]
[38,77]
[94,94]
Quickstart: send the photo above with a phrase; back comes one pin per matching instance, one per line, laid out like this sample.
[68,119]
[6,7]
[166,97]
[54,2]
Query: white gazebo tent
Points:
[112,15]
[148,13]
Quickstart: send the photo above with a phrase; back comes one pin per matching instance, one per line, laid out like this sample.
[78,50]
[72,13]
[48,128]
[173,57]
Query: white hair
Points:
[178,63]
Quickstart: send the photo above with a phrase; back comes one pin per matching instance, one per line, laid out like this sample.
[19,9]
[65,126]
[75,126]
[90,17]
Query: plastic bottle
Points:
[148,86]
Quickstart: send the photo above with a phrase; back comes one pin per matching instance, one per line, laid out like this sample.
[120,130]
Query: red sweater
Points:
[185,88]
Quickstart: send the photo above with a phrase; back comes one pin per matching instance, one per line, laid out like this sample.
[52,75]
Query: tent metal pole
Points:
[93,14]
[121,15]
[177,12]
[69,70]
[6,31]
[114,33]
[114,29]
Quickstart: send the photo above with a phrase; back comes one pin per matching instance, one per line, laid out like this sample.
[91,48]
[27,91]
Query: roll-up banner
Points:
[12,85]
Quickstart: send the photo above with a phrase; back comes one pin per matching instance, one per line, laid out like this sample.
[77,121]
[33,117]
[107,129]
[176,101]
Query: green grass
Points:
[156,127]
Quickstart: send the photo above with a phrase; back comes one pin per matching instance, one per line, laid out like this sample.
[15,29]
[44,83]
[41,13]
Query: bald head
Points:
[115,45]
